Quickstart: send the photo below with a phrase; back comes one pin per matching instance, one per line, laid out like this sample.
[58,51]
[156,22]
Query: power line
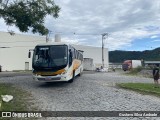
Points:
[88,34]
[74,33]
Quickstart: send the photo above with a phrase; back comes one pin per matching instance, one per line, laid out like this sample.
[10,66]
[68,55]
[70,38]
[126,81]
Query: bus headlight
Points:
[63,73]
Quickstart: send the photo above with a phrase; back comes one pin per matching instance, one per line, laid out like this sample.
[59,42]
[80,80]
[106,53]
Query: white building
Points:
[94,53]
[14,51]
[15,57]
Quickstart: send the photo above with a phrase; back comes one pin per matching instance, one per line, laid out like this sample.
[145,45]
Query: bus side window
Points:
[70,57]
[76,55]
[80,57]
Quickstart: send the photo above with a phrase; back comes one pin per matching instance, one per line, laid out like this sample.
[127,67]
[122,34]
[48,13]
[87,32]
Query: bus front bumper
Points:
[50,78]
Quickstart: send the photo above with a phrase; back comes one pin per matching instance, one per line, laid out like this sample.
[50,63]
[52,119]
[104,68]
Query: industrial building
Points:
[93,56]
[14,52]
[151,63]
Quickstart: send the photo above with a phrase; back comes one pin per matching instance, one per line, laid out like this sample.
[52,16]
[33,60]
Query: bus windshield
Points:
[50,57]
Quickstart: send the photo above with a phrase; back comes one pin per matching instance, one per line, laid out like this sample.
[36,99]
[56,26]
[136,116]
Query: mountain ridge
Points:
[118,56]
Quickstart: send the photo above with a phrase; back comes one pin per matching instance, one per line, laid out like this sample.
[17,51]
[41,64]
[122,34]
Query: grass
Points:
[135,71]
[21,101]
[144,88]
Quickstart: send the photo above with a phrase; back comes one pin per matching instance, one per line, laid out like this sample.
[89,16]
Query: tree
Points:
[28,14]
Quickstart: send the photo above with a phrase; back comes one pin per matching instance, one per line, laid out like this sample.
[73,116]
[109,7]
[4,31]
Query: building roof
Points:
[152,62]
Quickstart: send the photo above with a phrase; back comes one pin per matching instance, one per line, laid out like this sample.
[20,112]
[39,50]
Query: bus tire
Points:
[79,74]
[71,80]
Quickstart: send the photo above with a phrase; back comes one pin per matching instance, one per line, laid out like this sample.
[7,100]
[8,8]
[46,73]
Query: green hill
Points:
[119,56]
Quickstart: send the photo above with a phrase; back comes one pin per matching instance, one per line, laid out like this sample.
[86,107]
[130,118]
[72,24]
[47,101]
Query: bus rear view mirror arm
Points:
[29,53]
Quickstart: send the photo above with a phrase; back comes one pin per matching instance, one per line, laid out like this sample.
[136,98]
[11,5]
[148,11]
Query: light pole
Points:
[103,37]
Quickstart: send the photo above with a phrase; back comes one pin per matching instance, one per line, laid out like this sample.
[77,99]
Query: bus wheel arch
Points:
[73,76]
[80,73]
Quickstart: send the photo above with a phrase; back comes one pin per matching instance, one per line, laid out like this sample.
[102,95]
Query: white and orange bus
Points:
[54,62]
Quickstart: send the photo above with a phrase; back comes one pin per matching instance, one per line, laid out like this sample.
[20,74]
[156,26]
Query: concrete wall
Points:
[15,57]
[95,53]
[88,64]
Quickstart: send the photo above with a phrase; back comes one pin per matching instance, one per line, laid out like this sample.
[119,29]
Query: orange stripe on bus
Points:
[76,64]
[51,73]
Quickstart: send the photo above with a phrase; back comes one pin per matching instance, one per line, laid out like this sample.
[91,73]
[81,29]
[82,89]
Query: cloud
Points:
[154,36]
[7,28]
[124,20]
[156,41]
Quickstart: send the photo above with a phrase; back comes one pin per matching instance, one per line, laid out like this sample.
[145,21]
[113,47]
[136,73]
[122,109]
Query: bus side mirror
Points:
[29,54]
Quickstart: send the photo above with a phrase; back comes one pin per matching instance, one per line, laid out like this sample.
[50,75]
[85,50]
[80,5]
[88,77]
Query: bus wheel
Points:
[71,80]
[79,73]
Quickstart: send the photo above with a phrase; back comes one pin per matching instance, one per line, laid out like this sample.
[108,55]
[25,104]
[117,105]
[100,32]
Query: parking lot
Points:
[90,92]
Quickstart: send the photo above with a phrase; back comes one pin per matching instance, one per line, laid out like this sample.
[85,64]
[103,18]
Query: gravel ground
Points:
[90,92]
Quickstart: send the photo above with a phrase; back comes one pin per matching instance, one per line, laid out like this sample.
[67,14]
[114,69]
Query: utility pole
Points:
[103,37]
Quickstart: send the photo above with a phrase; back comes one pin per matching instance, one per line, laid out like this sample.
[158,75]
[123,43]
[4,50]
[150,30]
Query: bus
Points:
[53,62]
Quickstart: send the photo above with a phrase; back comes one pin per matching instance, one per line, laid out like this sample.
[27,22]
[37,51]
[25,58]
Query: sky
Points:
[132,25]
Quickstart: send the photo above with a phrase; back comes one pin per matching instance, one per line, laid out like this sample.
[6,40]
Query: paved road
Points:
[14,74]
[90,92]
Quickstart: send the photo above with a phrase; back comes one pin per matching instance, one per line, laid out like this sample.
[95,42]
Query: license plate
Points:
[48,78]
